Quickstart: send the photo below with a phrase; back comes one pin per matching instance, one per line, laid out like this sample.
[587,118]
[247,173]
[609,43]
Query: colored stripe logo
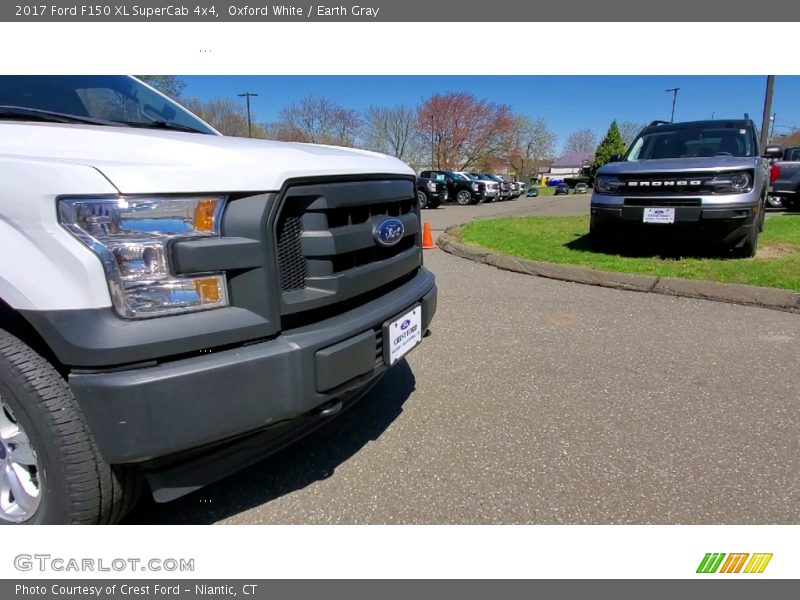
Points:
[736,562]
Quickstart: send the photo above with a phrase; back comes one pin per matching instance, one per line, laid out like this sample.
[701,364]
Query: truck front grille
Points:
[325,246]
[293,268]
[665,202]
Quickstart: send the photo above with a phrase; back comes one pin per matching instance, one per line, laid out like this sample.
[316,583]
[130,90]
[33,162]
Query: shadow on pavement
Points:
[311,459]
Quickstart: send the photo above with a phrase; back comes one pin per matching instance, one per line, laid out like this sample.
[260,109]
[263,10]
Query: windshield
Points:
[460,177]
[110,98]
[691,142]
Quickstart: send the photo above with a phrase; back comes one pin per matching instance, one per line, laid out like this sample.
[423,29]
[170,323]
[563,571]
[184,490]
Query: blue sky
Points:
[566,102]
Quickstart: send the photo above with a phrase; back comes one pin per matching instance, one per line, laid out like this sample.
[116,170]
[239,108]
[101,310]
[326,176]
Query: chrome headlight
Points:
[606,184]
[431,186]
[132,237]
[733,183]
[475,187]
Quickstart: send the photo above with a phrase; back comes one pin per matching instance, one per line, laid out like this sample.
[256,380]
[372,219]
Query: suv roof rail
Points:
[654,123]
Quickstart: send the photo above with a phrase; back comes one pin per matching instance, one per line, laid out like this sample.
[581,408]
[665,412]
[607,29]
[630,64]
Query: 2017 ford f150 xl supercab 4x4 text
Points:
[704,180]
[175,304]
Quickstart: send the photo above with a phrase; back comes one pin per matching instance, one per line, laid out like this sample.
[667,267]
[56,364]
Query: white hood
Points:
[145,161]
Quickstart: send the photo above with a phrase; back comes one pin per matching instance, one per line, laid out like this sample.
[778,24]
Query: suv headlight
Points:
[132,237]
[733,183]
[475,187]
[431,186]
[606,184]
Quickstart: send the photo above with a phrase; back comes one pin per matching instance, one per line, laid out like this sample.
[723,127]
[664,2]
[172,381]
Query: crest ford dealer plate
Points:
[401,335]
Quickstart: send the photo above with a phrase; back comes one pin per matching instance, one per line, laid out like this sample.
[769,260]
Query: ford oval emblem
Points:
[404,325]
[388,232]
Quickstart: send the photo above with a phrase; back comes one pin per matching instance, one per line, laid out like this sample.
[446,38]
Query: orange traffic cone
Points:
[427,239]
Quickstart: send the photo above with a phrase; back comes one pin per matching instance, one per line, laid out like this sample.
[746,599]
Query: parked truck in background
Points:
[430,193]
[460,188]
[784,178]
[175,304]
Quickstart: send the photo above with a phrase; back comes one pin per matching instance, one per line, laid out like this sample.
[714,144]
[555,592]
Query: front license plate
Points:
[401,335]
[659,215]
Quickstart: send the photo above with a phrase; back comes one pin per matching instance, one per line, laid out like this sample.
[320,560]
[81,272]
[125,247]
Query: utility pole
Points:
[249,124]
[767,110]
[674,99]
[772,128]
[433,165]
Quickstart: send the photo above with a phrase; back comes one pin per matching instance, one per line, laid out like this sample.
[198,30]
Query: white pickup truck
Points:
[176,304]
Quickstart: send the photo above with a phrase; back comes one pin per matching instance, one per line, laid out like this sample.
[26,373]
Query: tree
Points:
[227,116]
[787,140]
[169,85]
[318,120]
[629,130]
[394,131]
[612,144]
[582,140]
[531,143]
[463,130]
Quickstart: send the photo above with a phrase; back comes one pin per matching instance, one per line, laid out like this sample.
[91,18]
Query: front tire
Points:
[747,248]
[422,199]
[463,198]
[51,471]
[599,239]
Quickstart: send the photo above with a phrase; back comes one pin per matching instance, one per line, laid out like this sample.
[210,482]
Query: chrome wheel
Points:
[19,470]
[422,200]
[463,198]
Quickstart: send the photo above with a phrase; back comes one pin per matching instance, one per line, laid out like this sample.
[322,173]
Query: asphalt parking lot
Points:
[538,401]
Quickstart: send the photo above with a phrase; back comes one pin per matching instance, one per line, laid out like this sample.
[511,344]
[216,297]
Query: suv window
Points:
[691,142]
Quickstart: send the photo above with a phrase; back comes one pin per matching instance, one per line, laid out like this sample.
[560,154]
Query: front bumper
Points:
[719,223]
[143,414]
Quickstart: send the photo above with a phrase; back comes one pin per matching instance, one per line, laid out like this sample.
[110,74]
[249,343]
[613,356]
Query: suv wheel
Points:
[747,247]
[422,199]
[50,469]
[599,239]
[464,198]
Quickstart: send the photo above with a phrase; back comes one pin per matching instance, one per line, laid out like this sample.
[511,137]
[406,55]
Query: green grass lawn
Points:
[565,240]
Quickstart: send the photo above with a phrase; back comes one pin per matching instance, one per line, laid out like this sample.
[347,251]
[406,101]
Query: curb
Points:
[734,293]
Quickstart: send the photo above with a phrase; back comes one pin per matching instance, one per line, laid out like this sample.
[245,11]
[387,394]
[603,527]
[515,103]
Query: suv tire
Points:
[68,481]
[422,199]
[747,247]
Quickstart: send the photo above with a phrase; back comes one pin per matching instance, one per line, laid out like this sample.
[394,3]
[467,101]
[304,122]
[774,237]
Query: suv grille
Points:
[324,240]
[672,184]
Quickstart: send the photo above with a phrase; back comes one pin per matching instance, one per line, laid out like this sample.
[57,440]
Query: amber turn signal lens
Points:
[208,289]
[204,215]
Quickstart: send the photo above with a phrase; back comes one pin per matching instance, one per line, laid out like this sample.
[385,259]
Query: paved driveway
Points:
[538,401]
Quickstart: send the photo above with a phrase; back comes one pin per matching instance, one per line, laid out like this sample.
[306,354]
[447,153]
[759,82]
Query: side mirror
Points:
[773,152]
[616,158]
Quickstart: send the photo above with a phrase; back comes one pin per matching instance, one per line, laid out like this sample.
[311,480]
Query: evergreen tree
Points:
[612,144]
